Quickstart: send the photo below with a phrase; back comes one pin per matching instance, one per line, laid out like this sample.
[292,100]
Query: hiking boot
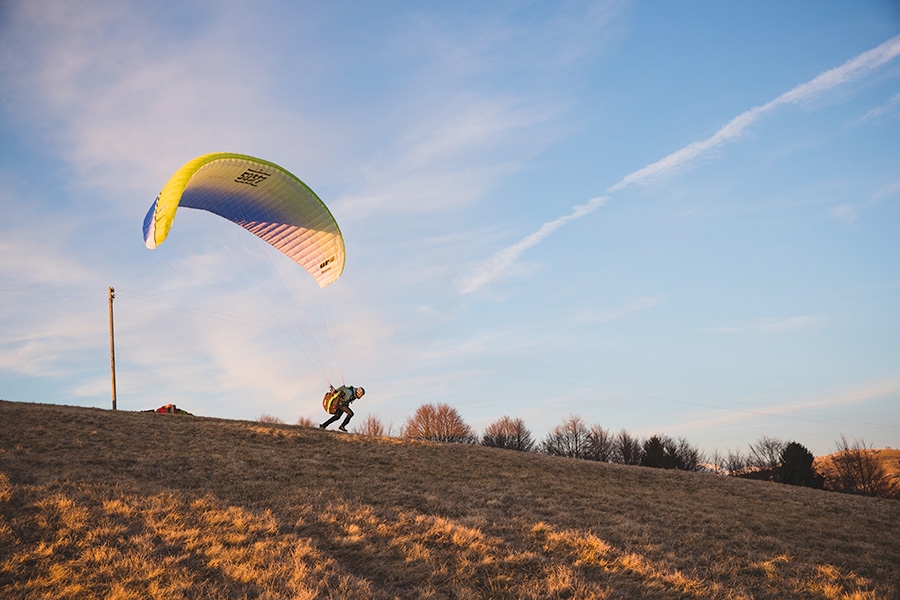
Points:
[322,426]
[344,429]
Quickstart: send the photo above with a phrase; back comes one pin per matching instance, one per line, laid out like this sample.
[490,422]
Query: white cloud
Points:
[891,107]
[849,71]
[455,127]
[476,43]
[29,260]
[393,189]
[767,325]
[446,151]
[126,101]
[887,191]
[845,212]
[50,331]
[497,265]
[680,158]
[626,310]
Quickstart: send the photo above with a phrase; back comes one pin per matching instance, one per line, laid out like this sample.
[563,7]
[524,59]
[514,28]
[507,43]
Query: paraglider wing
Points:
[261,197]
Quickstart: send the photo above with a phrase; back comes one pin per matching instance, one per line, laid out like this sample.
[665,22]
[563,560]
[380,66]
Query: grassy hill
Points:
[103,504]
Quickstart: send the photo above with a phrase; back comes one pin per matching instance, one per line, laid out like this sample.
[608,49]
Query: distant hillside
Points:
[888,458]
[103,504]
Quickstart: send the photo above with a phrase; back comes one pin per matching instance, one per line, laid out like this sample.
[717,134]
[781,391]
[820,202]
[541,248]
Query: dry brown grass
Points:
[101,504]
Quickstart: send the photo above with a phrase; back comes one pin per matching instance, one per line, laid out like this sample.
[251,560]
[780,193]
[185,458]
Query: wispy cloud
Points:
[126,100]
[857,67]
[445,159]
[845,212]
[496,265]
[478,103]
[457,126]
[891,107]
[29,260]
[618,313]
[812,409]
[767,325]
[849,71]
[887,191]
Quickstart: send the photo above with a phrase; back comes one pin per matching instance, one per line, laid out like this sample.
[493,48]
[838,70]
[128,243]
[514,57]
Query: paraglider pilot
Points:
[348,394]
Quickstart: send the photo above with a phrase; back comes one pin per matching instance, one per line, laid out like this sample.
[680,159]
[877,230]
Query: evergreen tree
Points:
[797,467]
[654,453]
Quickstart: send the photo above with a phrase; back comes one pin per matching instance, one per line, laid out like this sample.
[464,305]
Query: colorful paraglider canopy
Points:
[263,198]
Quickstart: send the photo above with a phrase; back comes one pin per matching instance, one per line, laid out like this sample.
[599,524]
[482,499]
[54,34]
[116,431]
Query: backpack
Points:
[330,401]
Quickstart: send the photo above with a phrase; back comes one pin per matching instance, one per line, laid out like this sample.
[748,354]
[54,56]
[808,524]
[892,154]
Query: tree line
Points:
[854,468]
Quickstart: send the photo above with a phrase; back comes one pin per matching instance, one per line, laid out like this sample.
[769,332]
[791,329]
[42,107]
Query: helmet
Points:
[359,392]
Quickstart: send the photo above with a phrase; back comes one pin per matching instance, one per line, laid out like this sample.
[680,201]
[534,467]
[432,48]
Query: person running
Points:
[348,394]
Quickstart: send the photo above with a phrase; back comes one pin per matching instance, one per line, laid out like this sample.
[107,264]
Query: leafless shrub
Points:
[856,469]
[372,425]
[438,423]
[306,422]
[266,418]
[509,433]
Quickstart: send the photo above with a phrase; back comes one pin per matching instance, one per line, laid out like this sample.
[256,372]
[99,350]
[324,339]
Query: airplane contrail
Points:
[495,265]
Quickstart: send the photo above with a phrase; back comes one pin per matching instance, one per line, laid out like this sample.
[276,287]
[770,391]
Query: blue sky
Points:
[675,218]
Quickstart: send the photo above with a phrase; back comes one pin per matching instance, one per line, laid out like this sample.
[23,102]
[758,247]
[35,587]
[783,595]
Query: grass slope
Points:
[102,504]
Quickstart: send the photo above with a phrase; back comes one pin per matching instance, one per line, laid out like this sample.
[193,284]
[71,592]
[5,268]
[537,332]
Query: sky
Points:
[668,218]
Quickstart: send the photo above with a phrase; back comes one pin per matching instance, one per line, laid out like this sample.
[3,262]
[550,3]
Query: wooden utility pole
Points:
[112,346]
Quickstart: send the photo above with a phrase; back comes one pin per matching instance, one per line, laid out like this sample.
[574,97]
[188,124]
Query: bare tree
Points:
[568,439]
[736,463]
[717,462]
[689,456]
[626,449]
[856,469]
[438,423]
[509,433]
[600,444]
[765,453]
